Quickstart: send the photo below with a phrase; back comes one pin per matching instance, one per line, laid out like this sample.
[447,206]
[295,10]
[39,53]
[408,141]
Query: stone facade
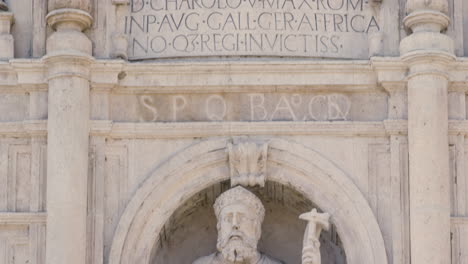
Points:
[122,122]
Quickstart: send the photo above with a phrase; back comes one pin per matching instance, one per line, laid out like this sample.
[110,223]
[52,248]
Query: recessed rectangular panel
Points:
[254,106]
[293,28]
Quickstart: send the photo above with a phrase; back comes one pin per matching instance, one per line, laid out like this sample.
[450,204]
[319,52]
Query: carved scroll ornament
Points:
[247,162]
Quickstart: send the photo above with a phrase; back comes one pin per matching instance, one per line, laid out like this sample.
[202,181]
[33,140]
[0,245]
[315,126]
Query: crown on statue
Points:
[239,195]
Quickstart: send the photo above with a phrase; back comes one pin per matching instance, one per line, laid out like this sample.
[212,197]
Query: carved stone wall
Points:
[282,205]
[322,88]
[110,17]
[22,217]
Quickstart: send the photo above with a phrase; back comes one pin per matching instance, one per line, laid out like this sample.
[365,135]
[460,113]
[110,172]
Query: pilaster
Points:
[428,54]
[68,61]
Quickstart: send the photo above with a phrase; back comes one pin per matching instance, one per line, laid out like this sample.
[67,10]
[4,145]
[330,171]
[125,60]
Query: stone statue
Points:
[240,215]
[311,245]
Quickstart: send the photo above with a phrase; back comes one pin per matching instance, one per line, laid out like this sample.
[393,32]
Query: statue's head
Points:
[240,215]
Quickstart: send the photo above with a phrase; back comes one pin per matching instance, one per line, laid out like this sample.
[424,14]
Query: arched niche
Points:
[291,164]
[191,231]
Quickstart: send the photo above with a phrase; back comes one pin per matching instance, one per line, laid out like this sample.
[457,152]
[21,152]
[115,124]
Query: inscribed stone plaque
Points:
[243,107]
[293,28]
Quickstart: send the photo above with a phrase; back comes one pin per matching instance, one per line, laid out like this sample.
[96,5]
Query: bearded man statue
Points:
[240,215]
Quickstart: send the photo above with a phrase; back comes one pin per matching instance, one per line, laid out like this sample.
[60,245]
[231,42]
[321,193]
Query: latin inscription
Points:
[307,28]
[244,107]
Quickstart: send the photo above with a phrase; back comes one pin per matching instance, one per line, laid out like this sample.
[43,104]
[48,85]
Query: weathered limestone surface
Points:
[6,39]
[123,121]
[68,59]
[84,5]
[428,53]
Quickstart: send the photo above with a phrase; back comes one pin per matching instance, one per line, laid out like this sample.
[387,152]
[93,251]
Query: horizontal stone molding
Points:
[204,76]
[459,220]
[26,128]
[229,76]
[210,129]
[458,127]
[112,129]
[108,128]
[22,218]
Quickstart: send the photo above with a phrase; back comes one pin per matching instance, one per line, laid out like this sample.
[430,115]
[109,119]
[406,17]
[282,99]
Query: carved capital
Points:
[311,245]
[69,38]
[247,163]
[435,62]
[69,18]
[436,5]
[66,65]
[84,5]
[427,20]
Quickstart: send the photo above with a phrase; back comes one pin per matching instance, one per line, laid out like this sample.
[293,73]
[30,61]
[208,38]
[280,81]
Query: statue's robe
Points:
[216,258]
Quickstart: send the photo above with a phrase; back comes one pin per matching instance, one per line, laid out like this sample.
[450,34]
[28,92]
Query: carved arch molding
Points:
[308,172]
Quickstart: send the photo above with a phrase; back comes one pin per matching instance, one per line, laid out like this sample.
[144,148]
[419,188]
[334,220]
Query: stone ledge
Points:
[459,220]
[210,76]
[230,76]
[22,218]
[458,127]
[112,129]
[27,128]
[108,128]
[41,217]
[212,129]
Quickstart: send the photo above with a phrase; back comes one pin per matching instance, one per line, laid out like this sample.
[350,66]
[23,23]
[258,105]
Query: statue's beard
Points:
[237,250]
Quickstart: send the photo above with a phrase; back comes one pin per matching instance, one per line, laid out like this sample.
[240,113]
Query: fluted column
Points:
[428,54]
[68,60]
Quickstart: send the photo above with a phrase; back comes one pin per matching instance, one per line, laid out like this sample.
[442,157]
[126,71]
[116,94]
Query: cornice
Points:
[108,128]
[396,127]
[458,127]
[459,75]
[30,74]
[274,66]
[105,75]
[459,221]
[212,129]
[23,218]
[7,76]
[27,128]
[239,76]
[390,73]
